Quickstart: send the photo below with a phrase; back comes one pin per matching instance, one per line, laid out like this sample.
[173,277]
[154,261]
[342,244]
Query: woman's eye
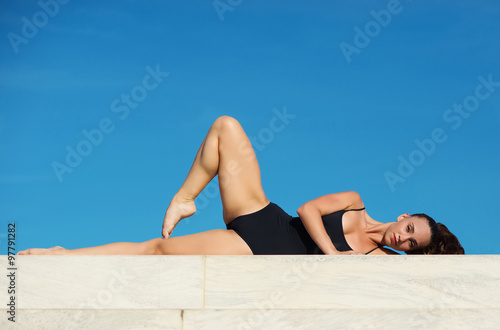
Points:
[408,228]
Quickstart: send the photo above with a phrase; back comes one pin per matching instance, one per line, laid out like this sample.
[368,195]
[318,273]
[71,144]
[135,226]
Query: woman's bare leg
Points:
[212,242]
[226,151]
[120,248]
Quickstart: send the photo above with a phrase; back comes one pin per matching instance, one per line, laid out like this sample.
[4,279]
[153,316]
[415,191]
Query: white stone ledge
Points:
[31,319]
[198,292]
[342,319]
[256,319]
[108,282]
[324,282]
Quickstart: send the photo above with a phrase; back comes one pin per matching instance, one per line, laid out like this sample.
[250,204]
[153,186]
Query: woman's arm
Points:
[311,212]
[384,252]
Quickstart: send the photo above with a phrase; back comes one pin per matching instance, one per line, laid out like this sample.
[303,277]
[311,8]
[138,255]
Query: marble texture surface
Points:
[95,319]
[325,282]
[108,282]
[361,319]
[254,292]
[256,319]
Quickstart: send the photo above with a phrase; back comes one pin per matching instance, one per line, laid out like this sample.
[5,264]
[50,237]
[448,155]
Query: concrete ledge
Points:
[247,292]
[30,319]
[342,319]
[324,282]
[255,319]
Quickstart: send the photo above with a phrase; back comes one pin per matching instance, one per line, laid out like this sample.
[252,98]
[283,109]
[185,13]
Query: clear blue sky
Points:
[398,101]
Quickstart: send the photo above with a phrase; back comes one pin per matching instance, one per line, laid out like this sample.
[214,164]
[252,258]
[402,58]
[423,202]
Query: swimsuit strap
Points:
[372,250]
[362,210]
[355,209]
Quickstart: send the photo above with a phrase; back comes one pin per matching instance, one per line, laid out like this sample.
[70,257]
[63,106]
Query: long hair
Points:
[442,240]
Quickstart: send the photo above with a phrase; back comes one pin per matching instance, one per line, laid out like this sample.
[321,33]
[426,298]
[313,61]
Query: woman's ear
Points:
[402,216]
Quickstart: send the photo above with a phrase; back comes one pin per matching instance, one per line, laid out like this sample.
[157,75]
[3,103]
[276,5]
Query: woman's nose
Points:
[404,237]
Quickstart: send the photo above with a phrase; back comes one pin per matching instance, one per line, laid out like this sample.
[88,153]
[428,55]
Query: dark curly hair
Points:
[442,240]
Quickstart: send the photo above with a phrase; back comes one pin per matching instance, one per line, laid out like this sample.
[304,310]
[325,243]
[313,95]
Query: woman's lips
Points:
[394,238]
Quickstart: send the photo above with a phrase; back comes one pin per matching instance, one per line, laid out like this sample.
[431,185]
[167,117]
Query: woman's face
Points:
[408,233]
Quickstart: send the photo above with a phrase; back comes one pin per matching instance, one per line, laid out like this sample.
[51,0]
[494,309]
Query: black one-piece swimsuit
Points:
[273,231]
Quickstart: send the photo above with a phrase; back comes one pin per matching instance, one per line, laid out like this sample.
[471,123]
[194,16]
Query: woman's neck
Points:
[376,230]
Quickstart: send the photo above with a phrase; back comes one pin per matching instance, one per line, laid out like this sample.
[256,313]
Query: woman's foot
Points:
[56,250]
[177,210]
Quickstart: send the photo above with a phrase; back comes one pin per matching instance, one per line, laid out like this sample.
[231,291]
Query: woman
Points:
[331,224]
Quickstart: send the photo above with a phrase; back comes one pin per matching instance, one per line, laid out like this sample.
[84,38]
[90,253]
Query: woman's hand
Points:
[344,253]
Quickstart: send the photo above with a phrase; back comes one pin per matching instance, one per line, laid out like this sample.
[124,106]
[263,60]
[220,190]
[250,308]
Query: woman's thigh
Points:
[239,172]
[212,242]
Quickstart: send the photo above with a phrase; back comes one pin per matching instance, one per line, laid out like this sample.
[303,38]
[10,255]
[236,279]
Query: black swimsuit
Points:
[273,231]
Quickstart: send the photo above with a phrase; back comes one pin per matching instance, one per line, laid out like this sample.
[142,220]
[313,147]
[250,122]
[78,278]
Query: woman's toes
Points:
[53,251]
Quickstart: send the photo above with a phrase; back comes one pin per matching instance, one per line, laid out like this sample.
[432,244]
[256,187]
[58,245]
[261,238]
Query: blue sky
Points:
[398,101]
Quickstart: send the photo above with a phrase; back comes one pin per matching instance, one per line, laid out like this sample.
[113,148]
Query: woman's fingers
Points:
[346,253]
[351,253]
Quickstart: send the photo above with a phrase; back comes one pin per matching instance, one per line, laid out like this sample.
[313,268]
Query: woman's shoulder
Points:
[335,202]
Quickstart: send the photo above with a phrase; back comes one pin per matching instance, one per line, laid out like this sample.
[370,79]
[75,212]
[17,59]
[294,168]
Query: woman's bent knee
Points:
[224,123]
